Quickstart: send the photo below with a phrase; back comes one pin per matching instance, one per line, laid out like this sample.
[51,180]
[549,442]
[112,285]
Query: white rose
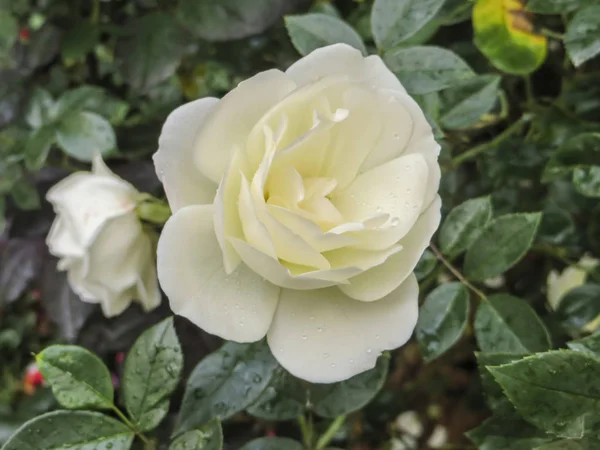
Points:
[100,241]
[326,180]
[573,276]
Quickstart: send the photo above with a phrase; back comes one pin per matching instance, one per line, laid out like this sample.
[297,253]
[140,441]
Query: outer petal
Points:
[342,59]
[234,117]
[60,240]
[379,281]
[323,336]
[236,307]
[174,161]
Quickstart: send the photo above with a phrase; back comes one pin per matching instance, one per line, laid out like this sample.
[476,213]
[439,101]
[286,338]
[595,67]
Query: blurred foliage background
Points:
[511,89]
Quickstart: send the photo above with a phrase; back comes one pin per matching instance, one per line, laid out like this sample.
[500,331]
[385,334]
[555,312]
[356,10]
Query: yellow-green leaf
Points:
[505,34]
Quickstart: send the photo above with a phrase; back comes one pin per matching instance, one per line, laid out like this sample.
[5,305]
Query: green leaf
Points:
[274,443]
[579,152]
[284,399]
[587,181]
[582,38]
[40,110]
[226,382]
[504,34]
[425,266]
[152,372]
[589,344]
[501,244]
[494,396]
[579,306]
[344,397]
[424,69]
[555,391]
[38,146]
[79,379]
[9,30]
[83,134]
[442,319]
[25,195]
[464,224]
[508,324]
[503,433]
[225,20]
[311,31]
[555,6]
[71,430]
[209,437]
[394,21]
[153,52]
[2,214]
[75,100]
[464,105]
[79,41]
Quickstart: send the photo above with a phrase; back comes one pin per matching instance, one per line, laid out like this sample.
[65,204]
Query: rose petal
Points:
[174,161]
[379,281]
[396,188]
[236,307]
[233,118]
[324,336]
[342,59]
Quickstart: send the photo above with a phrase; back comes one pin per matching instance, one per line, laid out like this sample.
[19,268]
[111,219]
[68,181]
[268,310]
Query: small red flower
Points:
[33,378]
[24,34]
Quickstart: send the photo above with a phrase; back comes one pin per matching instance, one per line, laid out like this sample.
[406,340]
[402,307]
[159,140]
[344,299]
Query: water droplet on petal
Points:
[369,350]
[304,336]
[395,221]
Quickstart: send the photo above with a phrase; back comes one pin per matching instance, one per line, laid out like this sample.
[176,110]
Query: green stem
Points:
[95,16]
[456,272]
[529,91]
[330,432]
[552,34]
[470,154]
[147,443]
[307,430]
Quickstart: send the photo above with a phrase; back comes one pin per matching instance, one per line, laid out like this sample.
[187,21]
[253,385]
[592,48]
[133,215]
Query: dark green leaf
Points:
[284,399]
[464,224]
[82,135]
[153,52]
[501,244]
[579,306]
[226,382]
[152,372]
[503,433]
[587,181]
[225,20]
[463,105]
[508,324]
[19,265]
[75,100]
[79,41]
[209,437]
[582,38]
[333,400]
[425,265]
[274,443]
[38,146]
[494,396]
[2,214]
[311,31]
[556,391]
[72,430]
[588,344]
[581,151]
[79,379]
[393,21]
[25,195]
[9,28]
[442,319]
[427,68]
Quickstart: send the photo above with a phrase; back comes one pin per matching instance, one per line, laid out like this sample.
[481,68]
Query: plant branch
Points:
[330,432]
[307,430]
[456,272]
[133,427]
[470,154]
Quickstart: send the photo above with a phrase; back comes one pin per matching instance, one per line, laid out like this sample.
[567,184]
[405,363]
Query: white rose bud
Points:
[326,180]
[100,241]
[559,284]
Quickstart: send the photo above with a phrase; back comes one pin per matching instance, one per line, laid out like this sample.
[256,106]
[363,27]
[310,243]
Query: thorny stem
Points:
[470,154]
[456,272]
[147,443]
[330,432]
